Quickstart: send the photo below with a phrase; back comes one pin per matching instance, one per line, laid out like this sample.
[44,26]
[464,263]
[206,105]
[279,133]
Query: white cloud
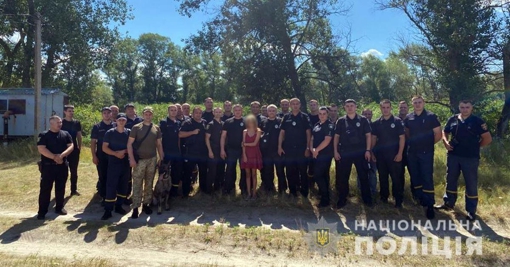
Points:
[372,52]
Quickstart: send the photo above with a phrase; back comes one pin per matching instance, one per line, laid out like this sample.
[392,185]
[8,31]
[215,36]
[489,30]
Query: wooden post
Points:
[37,78]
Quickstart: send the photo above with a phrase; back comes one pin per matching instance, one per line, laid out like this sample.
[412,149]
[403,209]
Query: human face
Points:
[147,116]
[208,104]
[107,115]
[314,106]
[238,112]
[121,122]
[218,112]
[367,114]
[403,109]
[271,112]
[465,109]
[172,112]
[255,109]
[186,110]
[197,114]
[323,115]
[284,106]
[386,109]
[333,113]
[115,111]
[179,110]
[295,105]
[264,111]
[69,113]
[130,111]
[418,105]
[56,124]
[350,108]
[227,106]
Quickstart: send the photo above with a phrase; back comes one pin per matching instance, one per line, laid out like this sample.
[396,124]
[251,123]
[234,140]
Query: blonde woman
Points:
[252,158]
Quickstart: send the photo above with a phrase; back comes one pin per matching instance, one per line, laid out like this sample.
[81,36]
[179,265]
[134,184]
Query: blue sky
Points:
[373,30]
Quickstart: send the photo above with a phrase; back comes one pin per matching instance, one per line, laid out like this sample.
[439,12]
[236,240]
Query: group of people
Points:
[209,144]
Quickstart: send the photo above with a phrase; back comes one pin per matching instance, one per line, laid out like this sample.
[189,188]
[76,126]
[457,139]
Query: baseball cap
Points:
[106,108]
[121,116]
[148,109]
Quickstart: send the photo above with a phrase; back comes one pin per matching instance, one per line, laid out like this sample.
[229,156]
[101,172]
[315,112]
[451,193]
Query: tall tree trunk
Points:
[502,125]
[292,71]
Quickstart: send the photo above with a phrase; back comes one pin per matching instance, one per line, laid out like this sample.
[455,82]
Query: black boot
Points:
[120,210]
[135,213]
[147,209]
[107,215]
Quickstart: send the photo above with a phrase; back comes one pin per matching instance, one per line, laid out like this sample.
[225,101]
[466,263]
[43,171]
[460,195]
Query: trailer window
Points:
[18,106]
[3,105]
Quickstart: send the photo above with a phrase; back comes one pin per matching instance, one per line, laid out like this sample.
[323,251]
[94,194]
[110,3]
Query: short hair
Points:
[295,99]
[114,106]
[314,101]
[272,106]
[367,109]
[178,105]
[66,107]
[466,101]
[214,109]
[196,108]
[284,100]
[205,100]
[349,101]
[403,102]
[332,106]
[385,101]
[237,105]
[264,106]
[255,103]
[172,105]
[186,104]
[417,97]
[54,117]
[224,103]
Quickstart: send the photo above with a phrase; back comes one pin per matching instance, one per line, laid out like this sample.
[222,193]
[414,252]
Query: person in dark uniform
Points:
[322,153]
[99,158]
[468,133]
[372,172]
[388,143]
[284,105]
[264,110]
[269,148]
[294,144]
[195,153]
[314,118]
[115,146]
[170,128]
[423,131]
[73,127]
[403,110]
[54,146]
[115,111]
[352,145]
[132,120]
[208,115]
[333,113]
[231,149]
[186,110]
[255,110]
[180,116]
[227,111]
[215,164]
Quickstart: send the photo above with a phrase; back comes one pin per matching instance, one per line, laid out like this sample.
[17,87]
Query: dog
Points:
[162,189]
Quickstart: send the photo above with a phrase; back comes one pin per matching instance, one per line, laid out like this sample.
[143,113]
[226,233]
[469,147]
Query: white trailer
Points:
[17,108]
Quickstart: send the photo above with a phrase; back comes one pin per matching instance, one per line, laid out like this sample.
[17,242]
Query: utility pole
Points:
[37,78]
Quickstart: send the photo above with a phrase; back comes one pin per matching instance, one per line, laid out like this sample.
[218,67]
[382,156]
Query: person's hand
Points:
[120,154]
[196,131]
[158,163]
[368,155]
[223,155]
[280,151]
[447,146]
[373,157]
[132,163]
[398,158]
[337,156]
[58,159]
[95,160]
[307,153]
[211,155]
[245,158]
[315,153]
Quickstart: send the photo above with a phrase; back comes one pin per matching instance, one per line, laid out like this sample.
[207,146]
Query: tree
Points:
[122,69]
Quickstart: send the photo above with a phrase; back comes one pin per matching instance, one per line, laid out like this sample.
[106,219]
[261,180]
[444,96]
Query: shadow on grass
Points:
[14,233]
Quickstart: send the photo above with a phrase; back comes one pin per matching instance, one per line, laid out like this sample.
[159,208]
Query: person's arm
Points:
[255,142]
[69,149]
[223,139]
[281,138]
[310,146]
[93,146]
[401,146]
[208,144]
[323,144]
[45,152]
[159,146]
[486,139]
[437,134]
[244,146]
[188,134]
[308,139]
[79,139]
[336,140]
[132,161]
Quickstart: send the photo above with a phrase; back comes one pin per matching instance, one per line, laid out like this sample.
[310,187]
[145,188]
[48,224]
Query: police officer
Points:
[180,116]
[170,137]
[403,110]
[115,145]
[215,164]
[388,143]
[322,153]
[115,111]
[195,153]
[284,105]
[333,113]
[269,150]
[54,146]
[352,145]
[186,109]
[314,118]
[231,149]
[255,110]
[73,126]
[99,158]
[227,111]
[423,130]
[372,172]
[208,115]
[132,118]
[468,133]
[294,144]
[264,110]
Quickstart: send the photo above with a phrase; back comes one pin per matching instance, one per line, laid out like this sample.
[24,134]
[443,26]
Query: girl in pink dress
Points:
[252,158]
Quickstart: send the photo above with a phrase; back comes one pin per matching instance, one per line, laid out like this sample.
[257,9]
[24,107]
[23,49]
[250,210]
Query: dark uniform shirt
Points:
[98,132]
[269,139]
[467,133]
[170,135]
[421,134]
[183,119]
[352,133]
[208,116]
[234,128]
[313,119]
[260,119]
[388,134]
[132,122]
[72,127]
[56,143]
[195,144]
[319,133]
[295,131]
[226,117]
[116,142]
[215,128]
[282,114]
